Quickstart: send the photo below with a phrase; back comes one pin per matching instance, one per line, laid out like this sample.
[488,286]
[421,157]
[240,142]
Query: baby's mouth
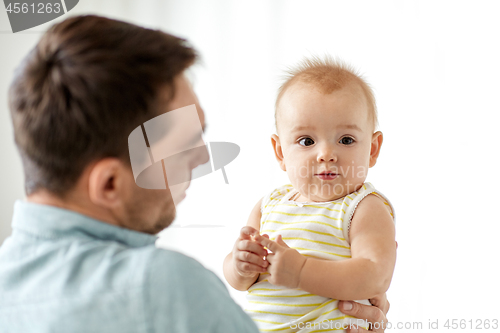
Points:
[326,175]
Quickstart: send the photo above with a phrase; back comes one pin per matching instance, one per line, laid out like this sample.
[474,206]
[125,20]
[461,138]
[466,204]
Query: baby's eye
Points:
[347,140]
[306,142]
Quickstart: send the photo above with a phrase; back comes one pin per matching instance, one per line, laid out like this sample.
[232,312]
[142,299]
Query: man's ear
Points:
[107,183]
[376,144]
[278,152]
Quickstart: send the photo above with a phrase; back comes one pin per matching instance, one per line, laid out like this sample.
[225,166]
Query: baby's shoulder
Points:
[369,198]
[276,194]
[371,202]
[366,202]
[280,192]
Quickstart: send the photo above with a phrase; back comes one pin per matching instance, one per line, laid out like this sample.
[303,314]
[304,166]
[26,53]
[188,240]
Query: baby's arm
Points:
[373,256]
[368,273]
[244,264]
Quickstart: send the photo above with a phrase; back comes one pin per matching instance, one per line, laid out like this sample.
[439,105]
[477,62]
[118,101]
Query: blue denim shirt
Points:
[61,271]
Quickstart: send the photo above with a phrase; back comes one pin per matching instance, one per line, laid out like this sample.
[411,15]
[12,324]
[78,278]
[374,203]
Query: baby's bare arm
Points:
[373,256]
[366,274]
[244,264]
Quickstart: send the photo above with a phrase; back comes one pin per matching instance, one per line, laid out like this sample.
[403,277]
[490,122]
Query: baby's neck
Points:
[297,197]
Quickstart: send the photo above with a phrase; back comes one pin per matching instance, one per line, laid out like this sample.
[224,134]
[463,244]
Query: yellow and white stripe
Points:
[317,230]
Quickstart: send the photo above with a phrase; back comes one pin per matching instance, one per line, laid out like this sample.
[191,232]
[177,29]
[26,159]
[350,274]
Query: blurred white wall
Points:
[434,67]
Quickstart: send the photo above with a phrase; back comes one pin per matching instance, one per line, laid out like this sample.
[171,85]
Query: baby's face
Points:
[325,141]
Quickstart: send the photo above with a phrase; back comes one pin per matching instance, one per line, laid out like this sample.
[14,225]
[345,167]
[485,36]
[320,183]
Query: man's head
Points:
[75,99]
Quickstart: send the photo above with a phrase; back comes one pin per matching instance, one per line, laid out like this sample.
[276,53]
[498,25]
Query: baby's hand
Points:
[285,264]
[248,254]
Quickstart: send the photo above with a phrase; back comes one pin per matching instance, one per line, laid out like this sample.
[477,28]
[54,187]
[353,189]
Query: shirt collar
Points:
[54,222]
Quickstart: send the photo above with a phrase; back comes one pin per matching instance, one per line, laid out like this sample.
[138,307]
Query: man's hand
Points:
[375,314]
[248,254]
[285,264]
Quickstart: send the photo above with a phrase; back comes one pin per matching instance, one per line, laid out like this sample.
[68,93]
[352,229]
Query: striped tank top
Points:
[315,229]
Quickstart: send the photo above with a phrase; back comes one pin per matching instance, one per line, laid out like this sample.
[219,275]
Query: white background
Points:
[434,66]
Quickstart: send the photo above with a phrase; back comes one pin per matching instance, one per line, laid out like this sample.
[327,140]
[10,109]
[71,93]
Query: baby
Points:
[329,235]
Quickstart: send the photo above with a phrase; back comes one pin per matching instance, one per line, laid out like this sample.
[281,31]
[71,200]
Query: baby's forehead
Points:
[309,95]
[320,88]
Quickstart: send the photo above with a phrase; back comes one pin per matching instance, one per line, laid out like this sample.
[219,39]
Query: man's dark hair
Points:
[80,92]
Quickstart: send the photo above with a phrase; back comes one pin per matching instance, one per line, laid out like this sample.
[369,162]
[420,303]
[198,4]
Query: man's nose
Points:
[201,157]
[204,157]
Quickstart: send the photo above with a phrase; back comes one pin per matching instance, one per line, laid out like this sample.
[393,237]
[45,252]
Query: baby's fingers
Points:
[271,245]
[251,258]
[247,232]
[245,268]
[251,246]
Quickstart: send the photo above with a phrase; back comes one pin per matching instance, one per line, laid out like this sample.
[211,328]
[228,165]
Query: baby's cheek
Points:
[304,173]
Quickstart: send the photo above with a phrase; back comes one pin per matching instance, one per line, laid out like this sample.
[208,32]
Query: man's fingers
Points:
[354,329]
[381,302]
[372,314]
[247,232]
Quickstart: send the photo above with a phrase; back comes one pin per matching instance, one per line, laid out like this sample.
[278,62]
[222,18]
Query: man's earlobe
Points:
[278,152]
[377,139]
[104,183]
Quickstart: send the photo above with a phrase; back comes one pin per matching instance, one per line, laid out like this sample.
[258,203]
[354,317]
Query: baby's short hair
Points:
[327,75]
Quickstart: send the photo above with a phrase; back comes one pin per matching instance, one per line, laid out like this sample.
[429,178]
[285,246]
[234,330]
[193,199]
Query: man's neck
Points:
[71,202]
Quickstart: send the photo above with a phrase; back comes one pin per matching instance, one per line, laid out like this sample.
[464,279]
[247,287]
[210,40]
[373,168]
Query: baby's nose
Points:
[327,155]
[331,159]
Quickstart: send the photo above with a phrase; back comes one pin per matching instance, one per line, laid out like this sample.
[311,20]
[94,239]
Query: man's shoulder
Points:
[168,267]
[164,259]
[179,286]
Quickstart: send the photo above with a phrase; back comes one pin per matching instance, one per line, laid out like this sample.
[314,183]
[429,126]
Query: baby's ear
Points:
[278,152]
[376,144]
